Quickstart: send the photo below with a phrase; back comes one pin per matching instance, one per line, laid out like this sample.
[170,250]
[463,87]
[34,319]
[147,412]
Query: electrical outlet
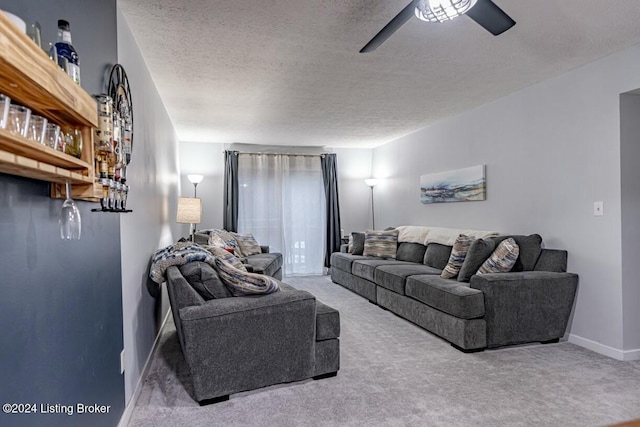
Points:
[598,208]
[122,361]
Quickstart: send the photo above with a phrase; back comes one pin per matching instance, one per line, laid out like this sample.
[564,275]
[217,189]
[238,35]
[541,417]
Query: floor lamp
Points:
[195,180]
[371,182]
[189,212]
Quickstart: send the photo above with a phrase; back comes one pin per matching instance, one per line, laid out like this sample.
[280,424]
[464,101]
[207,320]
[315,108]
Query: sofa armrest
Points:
[242,343]
[526,306]
[264,249]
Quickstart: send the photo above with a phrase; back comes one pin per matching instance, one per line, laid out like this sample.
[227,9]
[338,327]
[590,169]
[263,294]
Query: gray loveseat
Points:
[233,344]
[532,303]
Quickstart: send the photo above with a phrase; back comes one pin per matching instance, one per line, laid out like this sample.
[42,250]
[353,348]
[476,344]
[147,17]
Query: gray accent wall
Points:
[61,311]
[550,151]
[155,186]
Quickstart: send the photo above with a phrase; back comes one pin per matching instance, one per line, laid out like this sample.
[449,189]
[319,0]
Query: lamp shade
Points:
[371,182]
[189,210]
[195,179]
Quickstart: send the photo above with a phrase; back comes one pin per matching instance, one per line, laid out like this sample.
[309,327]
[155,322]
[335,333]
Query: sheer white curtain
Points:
[281,201]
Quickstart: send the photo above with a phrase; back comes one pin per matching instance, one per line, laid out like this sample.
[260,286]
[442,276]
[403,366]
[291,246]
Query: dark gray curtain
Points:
[330,177]
[230,214]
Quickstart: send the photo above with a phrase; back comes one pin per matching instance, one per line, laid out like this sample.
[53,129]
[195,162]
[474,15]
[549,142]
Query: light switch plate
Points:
[598,208]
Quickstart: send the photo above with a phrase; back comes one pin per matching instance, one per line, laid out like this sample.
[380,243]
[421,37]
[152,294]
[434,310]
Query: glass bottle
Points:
[65,49]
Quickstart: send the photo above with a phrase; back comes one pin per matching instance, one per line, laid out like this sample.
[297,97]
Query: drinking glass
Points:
[37,128]
[52,135]
[70,221]
[5,103]
[18,119]
[73,144]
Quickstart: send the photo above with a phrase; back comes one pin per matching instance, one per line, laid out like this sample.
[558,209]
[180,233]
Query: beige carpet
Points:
[395,374]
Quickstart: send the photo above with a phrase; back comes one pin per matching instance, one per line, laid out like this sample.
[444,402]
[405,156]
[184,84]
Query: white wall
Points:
[153,176]
[630,189]
[354,165]
[205,159]
[550,151]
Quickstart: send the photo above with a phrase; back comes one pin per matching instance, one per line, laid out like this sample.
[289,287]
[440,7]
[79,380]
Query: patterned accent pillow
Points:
[381,244]
[502,259]
[228,239]
[458,254]
[227,257]
[242,283]
[217,241]
[247,244]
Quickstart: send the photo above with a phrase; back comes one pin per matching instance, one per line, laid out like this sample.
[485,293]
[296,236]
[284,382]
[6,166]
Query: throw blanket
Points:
[442,235]
[178,254]
[243,283]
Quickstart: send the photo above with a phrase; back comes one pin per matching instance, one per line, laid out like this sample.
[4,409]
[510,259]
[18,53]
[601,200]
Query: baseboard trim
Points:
[128,410]
[615,353]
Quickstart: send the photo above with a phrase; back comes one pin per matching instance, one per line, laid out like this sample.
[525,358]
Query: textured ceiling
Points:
[288,72]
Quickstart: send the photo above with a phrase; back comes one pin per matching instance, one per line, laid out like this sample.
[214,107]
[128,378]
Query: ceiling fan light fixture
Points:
[442,10]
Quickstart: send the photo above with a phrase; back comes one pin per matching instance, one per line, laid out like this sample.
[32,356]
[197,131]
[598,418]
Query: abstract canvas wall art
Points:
[460,185]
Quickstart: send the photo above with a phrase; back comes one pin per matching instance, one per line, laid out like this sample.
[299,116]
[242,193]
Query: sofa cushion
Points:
[247,244]
[479,251]
[502,259]
[450,296]
[243,283]
[327,322]
[365,268]
[412,252]
[381,244]
[268,263]
[204,279]
[356,243]
[530,248]
[394,276]
[342,261]
[458,254]
[437,255]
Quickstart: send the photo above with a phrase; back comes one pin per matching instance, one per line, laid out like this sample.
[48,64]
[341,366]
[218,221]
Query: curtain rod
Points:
[281,154]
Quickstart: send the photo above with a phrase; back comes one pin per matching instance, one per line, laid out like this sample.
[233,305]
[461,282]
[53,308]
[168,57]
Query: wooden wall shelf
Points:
[29,77]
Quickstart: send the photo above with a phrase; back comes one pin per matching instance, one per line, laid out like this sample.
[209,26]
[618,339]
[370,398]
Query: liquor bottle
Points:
[64,49]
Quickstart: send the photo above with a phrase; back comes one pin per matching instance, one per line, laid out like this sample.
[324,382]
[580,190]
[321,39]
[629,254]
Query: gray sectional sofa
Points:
[233,344]
[532,303]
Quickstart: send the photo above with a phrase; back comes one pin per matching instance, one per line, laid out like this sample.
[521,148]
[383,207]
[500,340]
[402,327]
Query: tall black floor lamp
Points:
[371,182]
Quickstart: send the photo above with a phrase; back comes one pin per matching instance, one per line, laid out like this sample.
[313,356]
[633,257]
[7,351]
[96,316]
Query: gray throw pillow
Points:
[478,253]
[205,280]
[357,241]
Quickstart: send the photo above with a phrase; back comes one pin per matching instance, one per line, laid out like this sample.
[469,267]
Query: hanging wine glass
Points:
[70,221]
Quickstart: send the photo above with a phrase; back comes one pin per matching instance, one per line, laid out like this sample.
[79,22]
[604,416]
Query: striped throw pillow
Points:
[247,244]
[242,283]
[458,254]
[381,244]
[502,259]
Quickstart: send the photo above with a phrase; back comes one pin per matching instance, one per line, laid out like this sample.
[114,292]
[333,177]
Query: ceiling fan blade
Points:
[397,22]
[491,17]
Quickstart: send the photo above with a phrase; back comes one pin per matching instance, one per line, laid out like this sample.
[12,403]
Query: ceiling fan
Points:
[484,12]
